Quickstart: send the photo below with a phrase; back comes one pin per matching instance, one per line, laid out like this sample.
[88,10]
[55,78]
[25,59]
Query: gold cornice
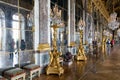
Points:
[72,44]
[100,6]
[33,28]
[44,47]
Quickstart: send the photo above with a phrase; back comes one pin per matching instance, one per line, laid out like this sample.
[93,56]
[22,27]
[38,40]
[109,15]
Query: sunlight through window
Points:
[17,27]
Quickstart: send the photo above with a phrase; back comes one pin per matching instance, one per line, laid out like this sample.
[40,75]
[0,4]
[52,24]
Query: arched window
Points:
[2,30]
[18,28]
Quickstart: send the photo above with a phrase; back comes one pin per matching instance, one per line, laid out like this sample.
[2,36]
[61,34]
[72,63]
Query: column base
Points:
[54,70]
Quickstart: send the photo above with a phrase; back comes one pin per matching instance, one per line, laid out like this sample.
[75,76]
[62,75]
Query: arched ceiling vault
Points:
[112,5]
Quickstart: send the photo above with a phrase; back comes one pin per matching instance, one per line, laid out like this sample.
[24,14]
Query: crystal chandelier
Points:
[113,23]
[81,24]
[105,33]
[97,35]
[118,32]
[55,17]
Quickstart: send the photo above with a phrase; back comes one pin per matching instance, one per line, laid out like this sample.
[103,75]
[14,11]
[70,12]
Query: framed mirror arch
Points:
[14,30]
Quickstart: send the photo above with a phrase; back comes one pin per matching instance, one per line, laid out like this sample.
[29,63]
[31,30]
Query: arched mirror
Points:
[16,36]
[15,26]
[2,30]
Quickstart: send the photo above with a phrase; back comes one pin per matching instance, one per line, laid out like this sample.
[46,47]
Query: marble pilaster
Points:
[71,25]
[84,29]
[72,20]
[44,21]
[42,30]
[36,33]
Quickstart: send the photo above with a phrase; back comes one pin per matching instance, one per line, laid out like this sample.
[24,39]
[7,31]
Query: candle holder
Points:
[118,32]
[104,40]
[54,66]
[81,53]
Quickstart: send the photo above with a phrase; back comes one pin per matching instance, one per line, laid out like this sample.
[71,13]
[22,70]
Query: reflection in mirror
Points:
[62,36]
[15,26]
[2,30]
[16,35]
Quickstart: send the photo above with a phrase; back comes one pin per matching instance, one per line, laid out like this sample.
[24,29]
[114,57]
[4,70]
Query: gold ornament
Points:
[54,66]
[81,53]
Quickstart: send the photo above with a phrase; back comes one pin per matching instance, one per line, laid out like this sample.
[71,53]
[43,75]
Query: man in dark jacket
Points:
[23,46]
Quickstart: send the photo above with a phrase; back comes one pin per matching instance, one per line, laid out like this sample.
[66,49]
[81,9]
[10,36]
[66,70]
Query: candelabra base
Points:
[81,58]
[55,70]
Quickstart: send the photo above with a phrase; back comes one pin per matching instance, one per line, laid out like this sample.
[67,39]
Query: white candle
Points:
[60,13]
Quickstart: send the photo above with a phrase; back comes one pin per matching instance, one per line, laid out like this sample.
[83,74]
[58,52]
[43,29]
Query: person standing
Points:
[108,46]
[23,46]
[95,48]
[112,43]
[12,44]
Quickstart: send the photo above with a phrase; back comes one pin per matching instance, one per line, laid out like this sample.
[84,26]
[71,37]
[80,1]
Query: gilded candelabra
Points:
[54,66]
[104,40]
[81,53]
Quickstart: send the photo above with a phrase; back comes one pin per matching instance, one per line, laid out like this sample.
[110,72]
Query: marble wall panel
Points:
[44,17]
[72,20]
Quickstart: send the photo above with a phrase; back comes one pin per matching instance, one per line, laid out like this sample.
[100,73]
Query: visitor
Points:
[108,46]
[95,48]
[11,48]
[22,46]
[112,43]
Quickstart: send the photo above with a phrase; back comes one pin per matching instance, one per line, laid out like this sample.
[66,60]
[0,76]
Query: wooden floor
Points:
[106,67]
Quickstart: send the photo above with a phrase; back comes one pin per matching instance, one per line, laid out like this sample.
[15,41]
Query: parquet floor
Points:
[106,67]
